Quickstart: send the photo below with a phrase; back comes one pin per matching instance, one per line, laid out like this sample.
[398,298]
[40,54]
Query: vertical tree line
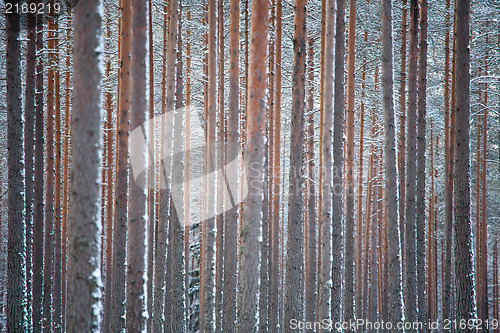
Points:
[227,166]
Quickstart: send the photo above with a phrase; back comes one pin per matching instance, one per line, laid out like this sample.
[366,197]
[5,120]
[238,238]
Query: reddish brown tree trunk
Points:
[463,266]
[250,231]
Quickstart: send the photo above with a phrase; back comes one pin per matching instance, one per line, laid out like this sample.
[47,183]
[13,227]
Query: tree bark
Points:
[448,167]
[393,260]
[57,296]
[311,239]
[29,143]
[38,196]
[16,265]
[294,287]
[208,230]
[338,162]
[463,266]
[360,227]
[174,304]
[421,144]
[274,267]
[164,192]
[48,253]
[231,215]
[251,224]
[121,178]
[349,313]
[410,228]
[84,280]
[136,244]
[325,195]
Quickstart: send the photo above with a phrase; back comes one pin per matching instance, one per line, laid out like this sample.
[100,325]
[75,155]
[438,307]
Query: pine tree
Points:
[338,163]
[118,269]
[136,244]
[16,266]
[251,224]
[325,196]
[394,260]
[421,144]
[231,215]
[84,278]
[410,228]
[463,265]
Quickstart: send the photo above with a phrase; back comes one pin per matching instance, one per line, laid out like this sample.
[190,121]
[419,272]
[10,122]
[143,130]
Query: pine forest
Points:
[221,166]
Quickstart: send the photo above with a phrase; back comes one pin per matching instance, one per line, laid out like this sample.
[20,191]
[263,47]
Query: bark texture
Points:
[393,260]
[251,224]
[84,278]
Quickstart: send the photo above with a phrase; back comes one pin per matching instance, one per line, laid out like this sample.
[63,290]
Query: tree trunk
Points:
[410,229]
[174,304]
[448,167]
[360,227]
[421,123]
[38,196]
[56,297]
[393,260]
[325,195]
[121,180]
[484,242]
[349,222]
[207,248]
[136,245]
[294,287]
[48,253]
[338,162]
[84,280]
[311,240]
[231,215]
[16,265]
[251,228]
[29,142]
[463,266]
[160,259]
[274,267]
